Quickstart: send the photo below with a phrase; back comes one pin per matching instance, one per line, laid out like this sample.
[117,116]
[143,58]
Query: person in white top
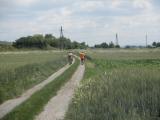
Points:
[70,57]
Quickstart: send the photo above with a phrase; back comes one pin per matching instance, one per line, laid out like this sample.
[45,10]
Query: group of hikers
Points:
[81,55]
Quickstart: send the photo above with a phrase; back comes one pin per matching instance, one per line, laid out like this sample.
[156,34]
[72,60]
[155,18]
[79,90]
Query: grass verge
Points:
[34,105]
[118,90]
[13,82]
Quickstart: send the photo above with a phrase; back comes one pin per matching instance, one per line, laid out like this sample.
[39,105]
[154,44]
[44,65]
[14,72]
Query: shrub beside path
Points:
[9,105]
[58,105]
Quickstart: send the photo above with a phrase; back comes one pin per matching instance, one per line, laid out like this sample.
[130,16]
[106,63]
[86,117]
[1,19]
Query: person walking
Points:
[70,58]
[82,57]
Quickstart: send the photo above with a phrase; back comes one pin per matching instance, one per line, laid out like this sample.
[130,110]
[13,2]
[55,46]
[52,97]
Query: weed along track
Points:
[9,105]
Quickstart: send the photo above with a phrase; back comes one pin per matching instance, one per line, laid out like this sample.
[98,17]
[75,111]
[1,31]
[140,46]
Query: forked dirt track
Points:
[58,105]
[9,105]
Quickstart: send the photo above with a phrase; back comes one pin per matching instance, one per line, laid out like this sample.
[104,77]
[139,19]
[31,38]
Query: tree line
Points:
[156,44]
[46,41]
[105,45]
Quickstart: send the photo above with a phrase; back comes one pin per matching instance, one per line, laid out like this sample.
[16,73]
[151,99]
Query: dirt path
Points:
[9,105]
[58,105]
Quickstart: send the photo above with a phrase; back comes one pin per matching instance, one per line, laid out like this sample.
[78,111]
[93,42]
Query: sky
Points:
[90,21]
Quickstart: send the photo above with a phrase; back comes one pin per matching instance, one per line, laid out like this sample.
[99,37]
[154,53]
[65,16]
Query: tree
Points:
[104,45]
[48,36]
[51,40]
[111,45]
[97,46]
[117,46]
[158,44]
[42,42]
[75,45]
[36,41]
[154,44]
[83,45]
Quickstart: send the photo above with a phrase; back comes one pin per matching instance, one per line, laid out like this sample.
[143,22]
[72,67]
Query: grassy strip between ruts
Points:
[34,105]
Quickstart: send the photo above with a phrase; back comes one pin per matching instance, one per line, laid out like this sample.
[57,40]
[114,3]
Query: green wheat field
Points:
[119,85]
[20,71]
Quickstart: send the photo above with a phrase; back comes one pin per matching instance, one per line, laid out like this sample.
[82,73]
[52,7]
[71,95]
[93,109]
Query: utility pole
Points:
[61,32]
[61,38]
[117,40]
[146,40]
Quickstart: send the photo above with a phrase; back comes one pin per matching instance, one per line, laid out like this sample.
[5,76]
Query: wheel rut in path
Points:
[9,105]
[58,105]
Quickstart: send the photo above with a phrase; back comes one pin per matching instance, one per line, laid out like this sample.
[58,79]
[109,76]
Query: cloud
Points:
[83,20]
[143,4]
[116,3]
[15,3]
[90,6]
[25,2]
